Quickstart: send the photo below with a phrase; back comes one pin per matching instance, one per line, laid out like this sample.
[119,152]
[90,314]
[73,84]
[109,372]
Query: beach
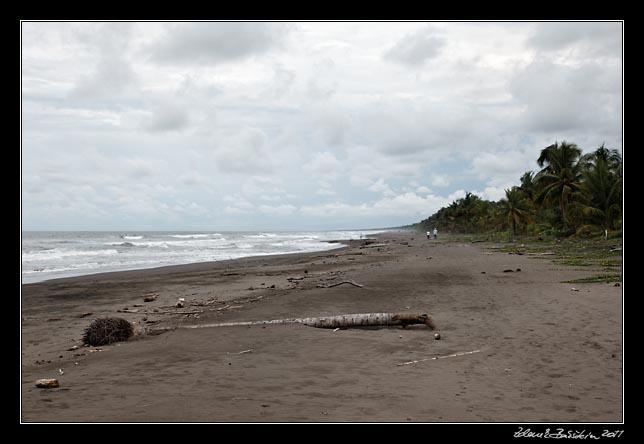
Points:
[517,344]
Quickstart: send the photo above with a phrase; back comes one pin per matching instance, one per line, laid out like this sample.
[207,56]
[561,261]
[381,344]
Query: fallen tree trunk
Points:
[340,321]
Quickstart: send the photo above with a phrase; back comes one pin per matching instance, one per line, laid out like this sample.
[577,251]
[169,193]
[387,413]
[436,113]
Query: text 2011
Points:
[612,434]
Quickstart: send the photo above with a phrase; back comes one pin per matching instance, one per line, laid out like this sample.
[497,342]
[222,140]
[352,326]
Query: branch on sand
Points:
[439,357]
[340,321]
[339,283]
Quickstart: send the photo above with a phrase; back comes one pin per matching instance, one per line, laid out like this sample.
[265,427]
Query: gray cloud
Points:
[112,76]
[112,73]
[593,38]
[167,118]
[416,48]
[557,97]
[213,43]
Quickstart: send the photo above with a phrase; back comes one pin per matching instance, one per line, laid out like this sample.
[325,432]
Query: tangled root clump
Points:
[104,331]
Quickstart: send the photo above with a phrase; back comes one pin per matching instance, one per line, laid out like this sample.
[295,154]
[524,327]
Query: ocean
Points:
[50,255]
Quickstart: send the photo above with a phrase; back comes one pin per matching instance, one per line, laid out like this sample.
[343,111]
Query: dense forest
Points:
[572,194]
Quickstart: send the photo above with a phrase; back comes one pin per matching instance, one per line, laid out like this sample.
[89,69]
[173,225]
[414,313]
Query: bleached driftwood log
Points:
[340,321]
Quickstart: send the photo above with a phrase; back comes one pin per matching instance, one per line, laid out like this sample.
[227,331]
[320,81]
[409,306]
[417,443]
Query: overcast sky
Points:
[299,126]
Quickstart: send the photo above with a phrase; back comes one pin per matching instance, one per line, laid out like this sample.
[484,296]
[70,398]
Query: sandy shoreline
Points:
[541,352]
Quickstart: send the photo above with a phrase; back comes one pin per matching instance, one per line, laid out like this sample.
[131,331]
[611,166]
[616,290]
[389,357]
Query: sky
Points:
[299,125]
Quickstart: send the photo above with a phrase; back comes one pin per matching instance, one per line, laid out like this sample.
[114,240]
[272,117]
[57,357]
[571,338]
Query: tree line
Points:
[572,193]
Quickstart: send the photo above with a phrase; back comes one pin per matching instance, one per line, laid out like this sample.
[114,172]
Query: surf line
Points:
[439,357]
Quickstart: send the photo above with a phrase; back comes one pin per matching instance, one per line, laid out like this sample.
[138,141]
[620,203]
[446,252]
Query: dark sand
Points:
[547,354]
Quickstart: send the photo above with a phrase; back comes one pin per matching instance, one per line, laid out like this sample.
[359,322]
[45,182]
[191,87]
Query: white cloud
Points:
[243,152]
[402,206]
[380,186]
[279,210]
[323,165]
[439,180]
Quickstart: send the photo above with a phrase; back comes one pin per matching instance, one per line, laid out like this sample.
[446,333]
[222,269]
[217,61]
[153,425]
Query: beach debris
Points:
[181,312]
[439,357]
[104,331]
[437,336]
[574,289]
[518,269]
[617,284]
[61,371]
[339,283]
[245,351]
[339,321]
[84,315]
[508,271]
[295,278]
[47,383]
[336,329]
[127,310]
[181,302]
[72,348]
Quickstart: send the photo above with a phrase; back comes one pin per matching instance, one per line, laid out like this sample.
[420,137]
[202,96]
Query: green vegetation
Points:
[604,255]
[571,195]
[597,278]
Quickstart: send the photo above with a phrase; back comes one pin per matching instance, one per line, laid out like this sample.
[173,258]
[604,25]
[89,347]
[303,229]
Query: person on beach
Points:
[428,235]
[435,233]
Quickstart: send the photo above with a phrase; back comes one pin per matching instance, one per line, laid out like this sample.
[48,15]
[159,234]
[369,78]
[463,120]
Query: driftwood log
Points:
[340,321]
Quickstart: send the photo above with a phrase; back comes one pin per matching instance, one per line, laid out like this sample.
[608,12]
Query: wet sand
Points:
[515,347]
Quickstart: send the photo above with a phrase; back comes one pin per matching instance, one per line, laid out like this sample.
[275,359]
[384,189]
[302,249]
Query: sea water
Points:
[49,255]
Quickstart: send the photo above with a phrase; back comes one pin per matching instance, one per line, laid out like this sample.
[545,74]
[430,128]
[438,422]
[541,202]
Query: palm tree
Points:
[516,208]
[529,185]
[611,157]
[560,175]
[603,188]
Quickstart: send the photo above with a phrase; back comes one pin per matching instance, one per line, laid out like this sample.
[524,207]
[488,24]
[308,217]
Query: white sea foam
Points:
[59,254]
[189,236]
[63,254]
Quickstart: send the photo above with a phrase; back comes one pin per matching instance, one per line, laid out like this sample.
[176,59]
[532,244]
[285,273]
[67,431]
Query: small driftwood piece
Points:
[439,357]
[178,312]
[340,321]
[47,383]
[339,283]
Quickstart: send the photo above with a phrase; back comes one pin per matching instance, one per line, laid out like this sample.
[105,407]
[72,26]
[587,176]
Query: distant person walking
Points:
[435,233]
[429,235]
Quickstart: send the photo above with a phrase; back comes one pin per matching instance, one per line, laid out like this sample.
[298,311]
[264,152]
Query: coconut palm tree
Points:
[529,185]
[603,190]
[560,176]
[516,208]
[611,157]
